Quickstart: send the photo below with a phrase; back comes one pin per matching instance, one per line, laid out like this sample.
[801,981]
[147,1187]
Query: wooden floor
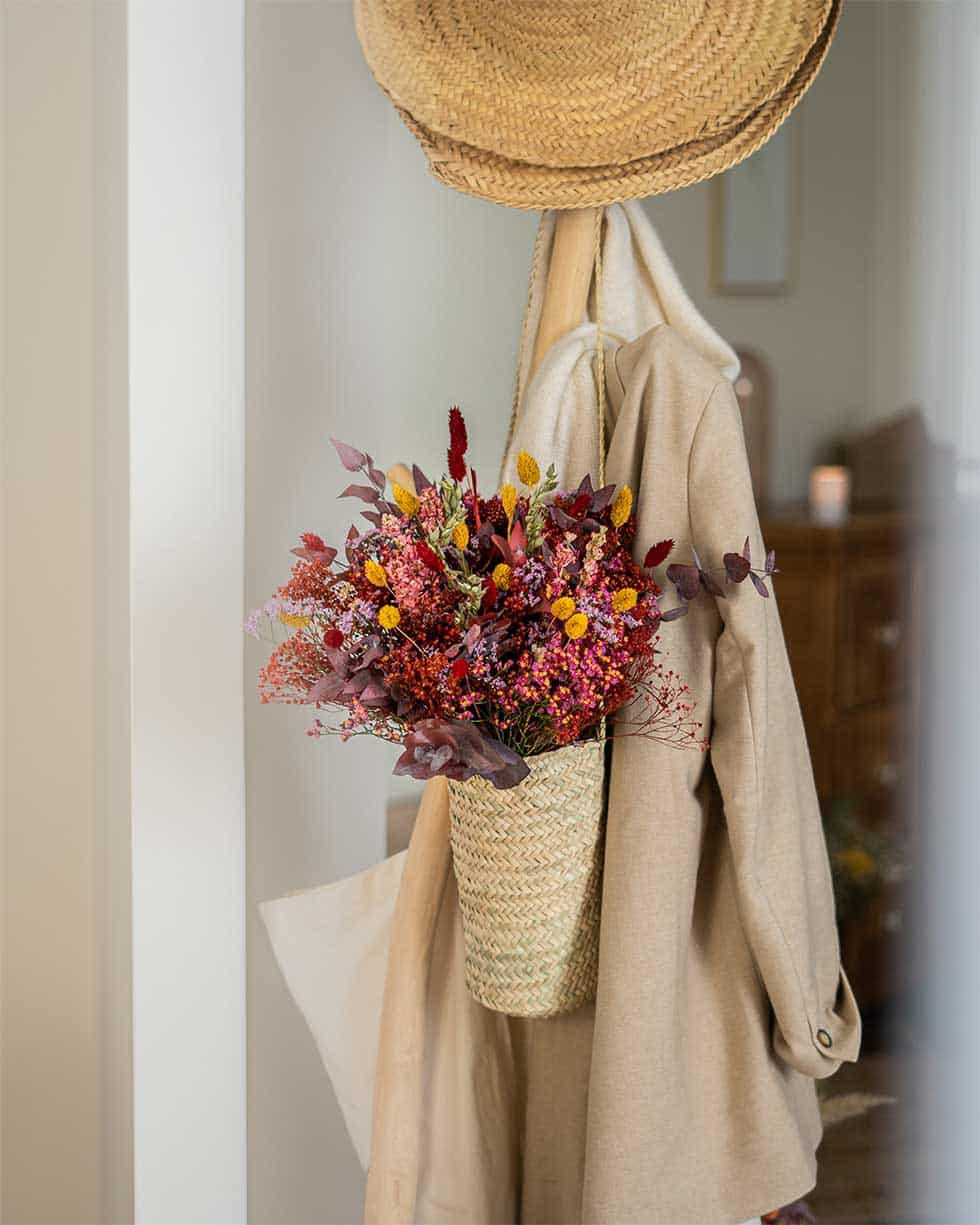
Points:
[872,1166]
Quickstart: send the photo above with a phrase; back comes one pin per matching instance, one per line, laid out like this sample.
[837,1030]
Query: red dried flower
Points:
[333,637]
[459,669]
[429,557]
[657,554]
[458,443]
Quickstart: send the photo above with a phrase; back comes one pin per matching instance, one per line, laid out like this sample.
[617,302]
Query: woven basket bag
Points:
[528,864]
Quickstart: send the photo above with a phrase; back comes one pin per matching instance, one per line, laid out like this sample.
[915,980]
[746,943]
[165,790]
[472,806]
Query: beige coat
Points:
[684,1094]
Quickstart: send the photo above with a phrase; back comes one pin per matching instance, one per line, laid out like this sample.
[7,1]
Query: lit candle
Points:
[830,495]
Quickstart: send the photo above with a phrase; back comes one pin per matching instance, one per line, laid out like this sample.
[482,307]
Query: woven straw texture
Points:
[528,864]
[570,104]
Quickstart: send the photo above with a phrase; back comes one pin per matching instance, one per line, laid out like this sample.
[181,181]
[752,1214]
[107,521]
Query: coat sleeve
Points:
[760,759]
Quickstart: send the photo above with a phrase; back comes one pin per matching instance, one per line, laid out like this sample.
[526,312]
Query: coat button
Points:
[824,1039]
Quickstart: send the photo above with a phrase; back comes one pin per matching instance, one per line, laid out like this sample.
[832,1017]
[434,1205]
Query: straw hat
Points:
[571,104]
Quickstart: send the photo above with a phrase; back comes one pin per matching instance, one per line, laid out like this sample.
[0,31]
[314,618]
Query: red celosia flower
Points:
[459,669]
[429,556]
[457,445]
[580,505]
[333,637]
[658,554]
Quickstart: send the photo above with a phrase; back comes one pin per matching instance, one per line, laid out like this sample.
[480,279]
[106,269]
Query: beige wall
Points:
[64,1079]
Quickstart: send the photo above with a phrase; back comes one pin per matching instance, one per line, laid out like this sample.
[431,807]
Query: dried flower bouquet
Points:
[480,632]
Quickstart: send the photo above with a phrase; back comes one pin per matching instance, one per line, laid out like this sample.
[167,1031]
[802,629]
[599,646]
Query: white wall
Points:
[66,1150]
[926,246]
[376,299]
[817,337]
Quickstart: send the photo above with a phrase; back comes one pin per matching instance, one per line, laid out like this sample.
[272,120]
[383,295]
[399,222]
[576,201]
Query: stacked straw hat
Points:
[574,103]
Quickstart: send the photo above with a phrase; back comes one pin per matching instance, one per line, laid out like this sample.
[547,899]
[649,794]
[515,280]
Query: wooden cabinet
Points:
[849,601]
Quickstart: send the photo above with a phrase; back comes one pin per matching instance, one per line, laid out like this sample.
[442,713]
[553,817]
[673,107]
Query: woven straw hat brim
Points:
[519,184]
[573,83]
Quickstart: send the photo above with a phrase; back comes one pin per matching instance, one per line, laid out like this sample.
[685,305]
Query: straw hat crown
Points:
[565,103]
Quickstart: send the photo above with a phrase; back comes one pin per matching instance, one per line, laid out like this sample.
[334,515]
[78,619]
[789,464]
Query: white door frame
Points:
[186,112]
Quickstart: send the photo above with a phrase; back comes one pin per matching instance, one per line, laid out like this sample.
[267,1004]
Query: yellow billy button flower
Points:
[461,536]
[563,608]
[405,500]
[294,620]
[502,574]
[622,506]
[856,862]
[389,617]
[508,500]
[624,599]
[528,470]
[374,572]
[576,625]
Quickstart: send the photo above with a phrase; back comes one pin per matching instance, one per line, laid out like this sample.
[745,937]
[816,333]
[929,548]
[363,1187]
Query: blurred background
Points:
[220,247]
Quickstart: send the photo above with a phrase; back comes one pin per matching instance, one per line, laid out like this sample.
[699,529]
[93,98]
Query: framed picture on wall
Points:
[755,220]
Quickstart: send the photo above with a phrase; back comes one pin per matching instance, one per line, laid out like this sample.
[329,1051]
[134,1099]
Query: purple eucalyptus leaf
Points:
[563,520]
[339,660]
[373,517]
[602,498]
[352,459]
[674,614]
[771,562]
[747,551]
[420,479]
[326,689]
[759,584]
[325,556]
[367,493]
[737,567]
[458,749]
[687,579]
[377,477]
[374,692]
[504,549]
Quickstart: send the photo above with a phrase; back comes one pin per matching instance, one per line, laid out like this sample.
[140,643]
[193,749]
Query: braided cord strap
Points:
[528,865]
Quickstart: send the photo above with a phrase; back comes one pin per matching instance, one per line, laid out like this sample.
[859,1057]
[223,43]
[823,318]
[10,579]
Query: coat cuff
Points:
[834,1037]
